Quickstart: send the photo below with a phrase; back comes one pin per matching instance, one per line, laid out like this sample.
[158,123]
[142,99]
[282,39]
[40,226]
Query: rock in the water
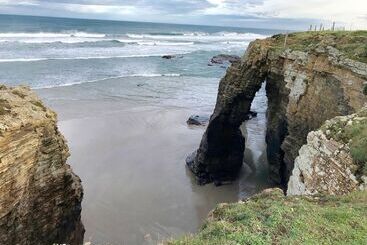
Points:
[168,57]
[40,196]
[250,115]
[334,160]
[198,120]
[190,159]
[225,58]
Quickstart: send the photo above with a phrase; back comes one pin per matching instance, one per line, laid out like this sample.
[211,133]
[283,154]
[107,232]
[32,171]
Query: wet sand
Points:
[131,159]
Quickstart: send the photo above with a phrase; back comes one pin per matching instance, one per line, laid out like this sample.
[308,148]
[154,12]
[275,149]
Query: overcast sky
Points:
[280,14]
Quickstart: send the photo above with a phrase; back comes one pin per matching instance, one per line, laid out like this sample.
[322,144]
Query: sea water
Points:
[44,52]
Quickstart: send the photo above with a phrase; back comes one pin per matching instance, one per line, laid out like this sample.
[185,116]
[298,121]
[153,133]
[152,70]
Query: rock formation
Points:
[334,160]
[310,77]
[198,120]
[40,196]
[225,58]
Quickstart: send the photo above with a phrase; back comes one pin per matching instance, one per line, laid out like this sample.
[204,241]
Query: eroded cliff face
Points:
[334,160]
[310,78]
[40,196]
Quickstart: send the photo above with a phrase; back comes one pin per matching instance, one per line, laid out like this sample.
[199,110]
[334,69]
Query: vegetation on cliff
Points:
[351,130]
[272,218]
[351,43]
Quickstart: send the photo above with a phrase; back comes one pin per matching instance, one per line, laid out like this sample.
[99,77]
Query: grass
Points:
[271,218]
[355,135]
[353,44]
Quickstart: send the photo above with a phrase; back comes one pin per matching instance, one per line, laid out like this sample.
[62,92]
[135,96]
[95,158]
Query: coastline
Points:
[130,157]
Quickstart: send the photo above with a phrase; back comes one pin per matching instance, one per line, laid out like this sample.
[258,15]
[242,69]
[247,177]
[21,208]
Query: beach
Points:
[123,107]
[131,159]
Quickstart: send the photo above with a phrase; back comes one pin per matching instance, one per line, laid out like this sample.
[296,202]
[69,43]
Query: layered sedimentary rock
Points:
[334,160]
[40,196]
[310,77]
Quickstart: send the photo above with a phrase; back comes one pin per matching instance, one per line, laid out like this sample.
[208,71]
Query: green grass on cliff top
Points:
[271,218]
[352,43]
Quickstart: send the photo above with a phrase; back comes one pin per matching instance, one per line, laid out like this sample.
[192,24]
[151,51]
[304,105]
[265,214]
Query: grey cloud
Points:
[170,11]
[166,6]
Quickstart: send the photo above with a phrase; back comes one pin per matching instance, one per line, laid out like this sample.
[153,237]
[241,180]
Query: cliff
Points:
[310,77]
[272,218]
[334,160]
[40,196]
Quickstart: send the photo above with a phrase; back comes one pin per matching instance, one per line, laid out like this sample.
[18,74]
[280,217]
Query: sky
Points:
[272,14]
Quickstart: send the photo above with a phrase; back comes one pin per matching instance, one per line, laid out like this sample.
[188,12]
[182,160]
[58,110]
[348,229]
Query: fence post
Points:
[285,39]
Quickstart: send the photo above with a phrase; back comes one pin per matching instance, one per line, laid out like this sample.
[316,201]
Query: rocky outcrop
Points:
[40,196]
[225,58]
[310,78]
[334,160]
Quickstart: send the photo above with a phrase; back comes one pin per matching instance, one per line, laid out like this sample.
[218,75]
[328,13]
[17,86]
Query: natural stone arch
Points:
[220,154]
[304,89]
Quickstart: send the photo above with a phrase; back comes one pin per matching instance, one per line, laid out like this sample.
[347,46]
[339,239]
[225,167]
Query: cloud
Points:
[100,9]
[268,13]
[345,12]
[19,3]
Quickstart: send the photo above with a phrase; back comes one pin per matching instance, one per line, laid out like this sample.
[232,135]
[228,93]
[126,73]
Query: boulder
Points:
[250,115]
[198,120]
[168,57]
[225,58]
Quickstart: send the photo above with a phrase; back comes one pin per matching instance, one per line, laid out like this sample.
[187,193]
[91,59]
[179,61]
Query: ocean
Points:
[123,109]
[44,52]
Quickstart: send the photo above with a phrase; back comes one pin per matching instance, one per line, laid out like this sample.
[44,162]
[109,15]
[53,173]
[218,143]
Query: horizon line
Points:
[150,22]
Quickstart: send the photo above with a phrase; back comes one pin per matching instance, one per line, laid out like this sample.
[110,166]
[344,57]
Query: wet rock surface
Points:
[225,58]
[198,120]
[40,196]
[250,115]
[168,57]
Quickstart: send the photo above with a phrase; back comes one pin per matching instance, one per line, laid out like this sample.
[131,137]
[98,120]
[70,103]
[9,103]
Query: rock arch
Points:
[304,89]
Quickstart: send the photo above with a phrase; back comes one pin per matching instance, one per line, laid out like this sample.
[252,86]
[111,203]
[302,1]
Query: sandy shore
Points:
[131,161]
